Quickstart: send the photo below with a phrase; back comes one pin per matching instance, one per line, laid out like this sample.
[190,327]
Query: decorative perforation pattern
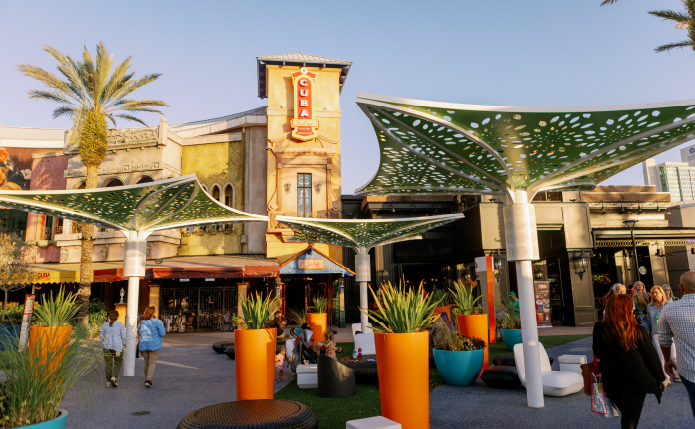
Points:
[365,233]
[542,148]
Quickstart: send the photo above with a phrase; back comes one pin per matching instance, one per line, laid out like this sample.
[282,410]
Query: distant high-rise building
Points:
[677,178]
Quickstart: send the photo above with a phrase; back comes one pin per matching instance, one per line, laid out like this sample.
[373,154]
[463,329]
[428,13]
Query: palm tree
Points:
[683,21]
[89,94]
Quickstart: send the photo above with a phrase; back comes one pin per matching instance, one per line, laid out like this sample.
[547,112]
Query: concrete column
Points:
[134,269]
[522,247]
[242,289]
[363,275]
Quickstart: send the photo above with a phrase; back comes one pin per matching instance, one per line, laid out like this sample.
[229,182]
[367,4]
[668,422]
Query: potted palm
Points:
[318,320]
[37,380]
[402,353]
[459,359]
[50,333]
[510,328]
[254,347]
[470,320]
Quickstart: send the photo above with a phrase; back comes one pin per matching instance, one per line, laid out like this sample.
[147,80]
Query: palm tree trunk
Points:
[86,255]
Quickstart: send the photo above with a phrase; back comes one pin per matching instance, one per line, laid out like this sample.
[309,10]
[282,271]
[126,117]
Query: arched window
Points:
[205,188]
[113,182]
[216,192]
[145,179]
[229,195]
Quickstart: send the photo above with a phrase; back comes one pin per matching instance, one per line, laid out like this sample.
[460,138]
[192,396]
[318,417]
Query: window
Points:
[304,195]
[216,192]
[113,182]
[145,179]
[229,195]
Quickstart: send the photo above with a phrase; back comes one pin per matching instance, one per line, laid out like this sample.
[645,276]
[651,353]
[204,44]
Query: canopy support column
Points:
[363,275]
[134,269]
[522,247]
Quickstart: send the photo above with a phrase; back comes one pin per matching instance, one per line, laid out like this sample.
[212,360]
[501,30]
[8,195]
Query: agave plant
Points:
[464,297]
[321,302]
[448,339]
[399,311]
[256,309]
[58,310]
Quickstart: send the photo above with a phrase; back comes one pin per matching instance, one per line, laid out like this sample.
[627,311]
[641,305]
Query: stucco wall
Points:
[216,163]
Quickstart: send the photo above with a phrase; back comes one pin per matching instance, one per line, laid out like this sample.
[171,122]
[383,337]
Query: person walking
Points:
[628,362]
[677,324]
[112,336]
[640,297]
[150,333]
[669,293]
[654,310]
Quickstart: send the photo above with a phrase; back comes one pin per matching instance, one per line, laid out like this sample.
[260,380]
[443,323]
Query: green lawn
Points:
[333,413]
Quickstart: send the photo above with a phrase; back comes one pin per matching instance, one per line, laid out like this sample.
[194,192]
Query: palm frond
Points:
[117,77]
[681,45]
[135,85]
[58,97]
[128,118]
[607,2]
[670,15]
[49,79]
[64,111]
[68,68]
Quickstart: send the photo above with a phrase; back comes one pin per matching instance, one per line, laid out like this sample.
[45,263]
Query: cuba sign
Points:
[304,125]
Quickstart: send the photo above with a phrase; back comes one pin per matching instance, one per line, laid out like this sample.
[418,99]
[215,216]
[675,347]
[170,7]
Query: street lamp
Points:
[630,223]
[582,262]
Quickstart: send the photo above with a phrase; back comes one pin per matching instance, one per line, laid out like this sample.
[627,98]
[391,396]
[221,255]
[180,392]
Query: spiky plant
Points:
[89,92]
[683,21]
[321,302]
[256,309]
[464,298]
[58,310]
[399,311]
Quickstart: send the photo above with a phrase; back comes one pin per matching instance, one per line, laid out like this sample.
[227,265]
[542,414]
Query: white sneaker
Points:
[114,382]
[108,383]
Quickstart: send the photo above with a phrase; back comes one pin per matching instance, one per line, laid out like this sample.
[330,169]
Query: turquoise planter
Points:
[59,422]
[9,333]
[511,337]
[459,368]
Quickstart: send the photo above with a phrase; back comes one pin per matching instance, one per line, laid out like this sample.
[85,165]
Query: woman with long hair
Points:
[150,333]
[640,297]
[654,310]
[628,362]
[668,292]
[112,336]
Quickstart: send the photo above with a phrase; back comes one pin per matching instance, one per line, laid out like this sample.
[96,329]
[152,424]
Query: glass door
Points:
[304,195]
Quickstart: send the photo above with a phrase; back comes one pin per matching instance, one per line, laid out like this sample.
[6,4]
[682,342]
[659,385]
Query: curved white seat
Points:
[289,345]
[366,341]
[358,327]
[555,383]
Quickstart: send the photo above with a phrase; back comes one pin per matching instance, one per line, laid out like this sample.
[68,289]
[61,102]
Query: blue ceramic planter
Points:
[511,337]
[9,333]
[459,368]
[59,422]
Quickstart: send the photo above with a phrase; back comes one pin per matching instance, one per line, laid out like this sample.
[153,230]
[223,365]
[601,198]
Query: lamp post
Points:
[582,262]
[630,223]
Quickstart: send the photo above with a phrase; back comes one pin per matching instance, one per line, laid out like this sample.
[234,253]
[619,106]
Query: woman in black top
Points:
[628,362]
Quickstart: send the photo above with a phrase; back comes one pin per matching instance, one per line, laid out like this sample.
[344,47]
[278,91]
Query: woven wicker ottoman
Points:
[257,414]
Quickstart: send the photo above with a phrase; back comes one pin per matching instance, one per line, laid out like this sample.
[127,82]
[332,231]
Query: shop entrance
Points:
[298,292]
[185,309]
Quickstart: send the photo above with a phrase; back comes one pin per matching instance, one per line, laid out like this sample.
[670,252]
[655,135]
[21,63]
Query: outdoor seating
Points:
[229,351]
[555,383]
[366,342]
[365,372]
[356,327]
[221,346]
[289,345]
[501,377]
[377,422]
[307,377]
[335,380]
[254,414]
[572,363]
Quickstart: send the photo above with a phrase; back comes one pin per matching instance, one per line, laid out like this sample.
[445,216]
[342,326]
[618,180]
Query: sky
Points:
[502,52]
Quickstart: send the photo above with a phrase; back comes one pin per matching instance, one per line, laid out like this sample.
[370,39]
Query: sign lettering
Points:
[311,264]
[304,126]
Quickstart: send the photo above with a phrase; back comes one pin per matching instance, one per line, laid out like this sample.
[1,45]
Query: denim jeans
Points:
[690,387]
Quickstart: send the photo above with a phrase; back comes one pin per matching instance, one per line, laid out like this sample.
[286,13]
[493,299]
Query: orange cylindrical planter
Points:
[45,342]
[318,322]
[476,325]
[255,363]
[402,362]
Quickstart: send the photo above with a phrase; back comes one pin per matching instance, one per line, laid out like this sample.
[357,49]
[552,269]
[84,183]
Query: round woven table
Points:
[257,414]
[365,372]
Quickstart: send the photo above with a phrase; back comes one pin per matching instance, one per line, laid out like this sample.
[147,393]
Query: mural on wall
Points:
[15,167]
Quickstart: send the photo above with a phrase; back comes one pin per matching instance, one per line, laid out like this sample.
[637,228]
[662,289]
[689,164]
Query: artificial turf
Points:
[332,413]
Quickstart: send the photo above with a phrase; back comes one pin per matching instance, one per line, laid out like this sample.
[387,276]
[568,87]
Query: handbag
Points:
[600,402]
[588,370]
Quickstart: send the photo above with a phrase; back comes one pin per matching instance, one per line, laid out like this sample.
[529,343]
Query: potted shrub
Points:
[254,347]
[296,317]
[459,359]
[402,354]
[510,328]
[471,322]
[37,380]
[51,327]
[318,320]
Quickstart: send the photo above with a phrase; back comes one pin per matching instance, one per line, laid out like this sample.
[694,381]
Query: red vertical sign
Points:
[26,321]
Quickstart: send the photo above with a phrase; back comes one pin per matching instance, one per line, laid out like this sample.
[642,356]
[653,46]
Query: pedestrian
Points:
[640,297]
[150,333]
[112,336]
[628,362]
[677,324]
[654,310]
[669,293]
[513,304]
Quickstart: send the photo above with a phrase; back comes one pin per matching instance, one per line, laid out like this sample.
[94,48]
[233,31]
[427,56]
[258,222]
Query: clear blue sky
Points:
[502,52]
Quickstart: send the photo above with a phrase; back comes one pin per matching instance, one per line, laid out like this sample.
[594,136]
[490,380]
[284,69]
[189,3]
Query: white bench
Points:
[307,378]
[377,422]
[555,383]
[572,363]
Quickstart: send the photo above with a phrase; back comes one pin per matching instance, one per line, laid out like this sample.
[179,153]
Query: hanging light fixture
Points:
[582,262]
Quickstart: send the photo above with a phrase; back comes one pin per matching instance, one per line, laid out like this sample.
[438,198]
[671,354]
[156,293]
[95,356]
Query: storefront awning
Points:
[185,267]
[313,261]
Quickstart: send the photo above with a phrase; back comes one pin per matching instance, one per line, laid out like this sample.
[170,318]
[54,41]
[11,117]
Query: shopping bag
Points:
[600,402]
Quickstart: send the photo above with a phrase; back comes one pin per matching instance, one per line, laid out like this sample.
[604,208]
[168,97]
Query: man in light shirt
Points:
[677,323]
